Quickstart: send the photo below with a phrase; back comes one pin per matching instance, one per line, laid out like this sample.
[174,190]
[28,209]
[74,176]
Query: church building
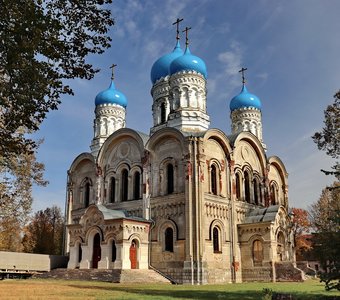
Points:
[189,201]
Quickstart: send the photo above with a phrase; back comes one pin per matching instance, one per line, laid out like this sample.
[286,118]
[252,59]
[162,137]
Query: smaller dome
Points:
[245,100]
[111,96]
[161,67]
[188,62]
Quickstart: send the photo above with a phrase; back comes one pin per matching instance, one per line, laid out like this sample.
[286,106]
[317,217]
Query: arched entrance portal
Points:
[133,254]
[96,256]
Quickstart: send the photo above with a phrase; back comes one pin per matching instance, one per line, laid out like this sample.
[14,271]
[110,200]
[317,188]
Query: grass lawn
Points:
[62,289]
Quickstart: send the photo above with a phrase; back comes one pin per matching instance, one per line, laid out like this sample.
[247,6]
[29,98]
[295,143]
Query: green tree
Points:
[329,138]
[325,219]
[44,234]
[44,43]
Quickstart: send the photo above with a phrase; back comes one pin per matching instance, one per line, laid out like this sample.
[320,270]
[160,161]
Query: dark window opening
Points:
[136,188]
[80,253]
[124,189]
[87,194]
[114,252]
[170,179]
[256,192]
[112,189]
[238,186]
[216,240]
[273,194]
[169,239]
[213,180]
[247,186]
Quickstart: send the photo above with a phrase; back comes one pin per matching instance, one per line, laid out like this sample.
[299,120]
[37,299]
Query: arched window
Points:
[136,186]
[256,191]
[163,113]
[257,253]
[273,194]
[238,186]
[216,240]
[114,251]
[112,189]
[247,187]
[124,185]
[169,239]
[87,194]
[170,179]
[213,175]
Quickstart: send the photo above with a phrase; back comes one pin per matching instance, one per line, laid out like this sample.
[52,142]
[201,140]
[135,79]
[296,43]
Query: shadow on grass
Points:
[191,293]
[186,294]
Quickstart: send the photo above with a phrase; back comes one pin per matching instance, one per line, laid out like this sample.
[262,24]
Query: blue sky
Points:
[291,50]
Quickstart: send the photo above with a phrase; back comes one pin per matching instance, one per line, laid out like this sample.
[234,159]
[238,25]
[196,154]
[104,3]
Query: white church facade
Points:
[192,202]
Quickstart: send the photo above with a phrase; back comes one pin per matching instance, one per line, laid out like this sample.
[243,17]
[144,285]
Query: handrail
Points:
[163,274]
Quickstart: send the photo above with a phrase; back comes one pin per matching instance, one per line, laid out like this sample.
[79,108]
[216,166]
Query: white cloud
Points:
[174,9]
[155,49]
[263,76]
[232,59]
[228,78]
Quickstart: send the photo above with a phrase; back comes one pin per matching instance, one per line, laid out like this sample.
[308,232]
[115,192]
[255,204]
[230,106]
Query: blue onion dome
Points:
[245,100]
[161,68]
[111,96]
[189,62]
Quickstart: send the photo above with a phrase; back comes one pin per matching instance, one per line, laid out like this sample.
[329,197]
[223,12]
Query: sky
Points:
[292,52]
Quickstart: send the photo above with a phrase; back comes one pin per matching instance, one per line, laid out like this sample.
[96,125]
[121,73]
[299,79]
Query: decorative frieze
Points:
[166,210]
[215,210]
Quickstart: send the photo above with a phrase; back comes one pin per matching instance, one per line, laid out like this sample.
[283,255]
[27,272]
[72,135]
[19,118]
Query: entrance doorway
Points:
[133,254]
[97,252]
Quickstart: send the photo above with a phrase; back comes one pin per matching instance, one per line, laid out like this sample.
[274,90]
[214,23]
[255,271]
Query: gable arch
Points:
[256,146]
[163,134]
[118,137]
[278,164]
[220,138]
[81,159]
[278,175]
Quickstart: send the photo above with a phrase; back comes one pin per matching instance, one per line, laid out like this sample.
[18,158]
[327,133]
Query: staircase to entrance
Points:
[116,276]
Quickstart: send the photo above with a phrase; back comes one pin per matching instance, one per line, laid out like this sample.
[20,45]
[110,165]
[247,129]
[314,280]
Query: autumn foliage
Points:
[44,234]
[301,229]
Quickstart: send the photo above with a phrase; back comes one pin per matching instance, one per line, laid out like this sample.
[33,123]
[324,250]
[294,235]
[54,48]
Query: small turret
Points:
[245,112]
[110,115]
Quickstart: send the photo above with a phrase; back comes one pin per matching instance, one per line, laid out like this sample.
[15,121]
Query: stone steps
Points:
[142,276]
[116,276]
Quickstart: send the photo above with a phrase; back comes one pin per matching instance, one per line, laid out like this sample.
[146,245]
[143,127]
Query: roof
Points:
[265,214]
